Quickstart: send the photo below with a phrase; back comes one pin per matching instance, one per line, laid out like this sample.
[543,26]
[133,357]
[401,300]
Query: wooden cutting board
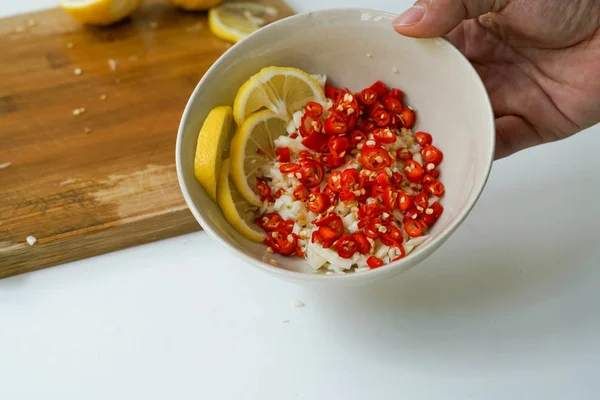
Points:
[104,179]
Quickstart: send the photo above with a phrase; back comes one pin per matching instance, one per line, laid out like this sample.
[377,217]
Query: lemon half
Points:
[99,12]
[196,5]
[212,147]
[236,209]
[252,148]
[234,21]
[282,90]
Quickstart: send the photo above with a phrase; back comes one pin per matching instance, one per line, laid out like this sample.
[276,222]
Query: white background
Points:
[507,309]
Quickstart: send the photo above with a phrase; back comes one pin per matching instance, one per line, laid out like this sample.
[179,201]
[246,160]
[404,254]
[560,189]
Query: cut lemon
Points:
[237,211]
[252,147]
[280,89]
[99,12]
[196,5]
[235,21]
[212,147]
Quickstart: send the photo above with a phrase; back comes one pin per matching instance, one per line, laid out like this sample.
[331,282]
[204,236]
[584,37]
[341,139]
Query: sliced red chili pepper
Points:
[381,117]
[392,237]
[397,94]
[401,255]
[375,158]
[314,109]
[300,193]
[287,168]
[405,201]
[318,202]
[316,141]
[363,245]
[346,195]
[328,234]
[394,121]
[377,106]
[335,125]
[331,220]
[435,173]
[432,154]
[413,228]
[423,138]
[304,154]
[397,179]
[334,182]
[377,192]
[408,118]
[372,229]
[404,154]
[270,222]
[332,161]
[437,208]
[367,125]
[422,200]
[411,214]
[390,198]
[279,193]
[383,179]
[288,225]
[294,135]
[283,154]
[436,188]
[264,190]
[356,137]
[281,242]
[384,135]
[311,172]
[380,88]
[367,97]
[346,246]
[413,170]
[310,124]
[392,104]
[428,179]
[338,145]
[374,262]
[332,92]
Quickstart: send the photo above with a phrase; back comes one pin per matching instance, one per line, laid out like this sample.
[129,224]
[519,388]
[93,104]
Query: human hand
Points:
[539,60]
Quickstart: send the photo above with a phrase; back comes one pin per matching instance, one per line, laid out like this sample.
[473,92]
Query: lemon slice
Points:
[99,12]
[212,147]
[252,147]
[196,5]
[282,90]
[237,211]
[235,21]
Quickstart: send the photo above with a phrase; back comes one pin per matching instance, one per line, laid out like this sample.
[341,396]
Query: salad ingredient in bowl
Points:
[334,176]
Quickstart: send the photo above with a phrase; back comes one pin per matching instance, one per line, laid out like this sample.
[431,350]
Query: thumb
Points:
[433,18]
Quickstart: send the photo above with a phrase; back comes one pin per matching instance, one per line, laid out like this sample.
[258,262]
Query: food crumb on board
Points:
[298,304]
[78,111]
[102,97]
[31,240]
[5,165]
[31,22]
[87,130]
[19,29]
[395,69]
[194,28]
[153,25]
[78,71]
[369,55]
[285,321]
[133,58]
[69,45]
[112,63]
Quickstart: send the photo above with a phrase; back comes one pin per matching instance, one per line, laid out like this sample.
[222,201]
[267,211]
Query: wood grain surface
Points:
[104,179]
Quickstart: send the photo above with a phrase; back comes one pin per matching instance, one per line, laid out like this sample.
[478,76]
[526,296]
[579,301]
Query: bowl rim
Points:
[296,275]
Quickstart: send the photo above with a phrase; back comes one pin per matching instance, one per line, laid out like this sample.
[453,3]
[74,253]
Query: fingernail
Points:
[410,16]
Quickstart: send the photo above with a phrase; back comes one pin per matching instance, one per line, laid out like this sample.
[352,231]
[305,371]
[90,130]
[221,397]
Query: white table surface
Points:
[507,309]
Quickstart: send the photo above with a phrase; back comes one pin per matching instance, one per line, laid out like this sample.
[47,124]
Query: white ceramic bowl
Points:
[354,48]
